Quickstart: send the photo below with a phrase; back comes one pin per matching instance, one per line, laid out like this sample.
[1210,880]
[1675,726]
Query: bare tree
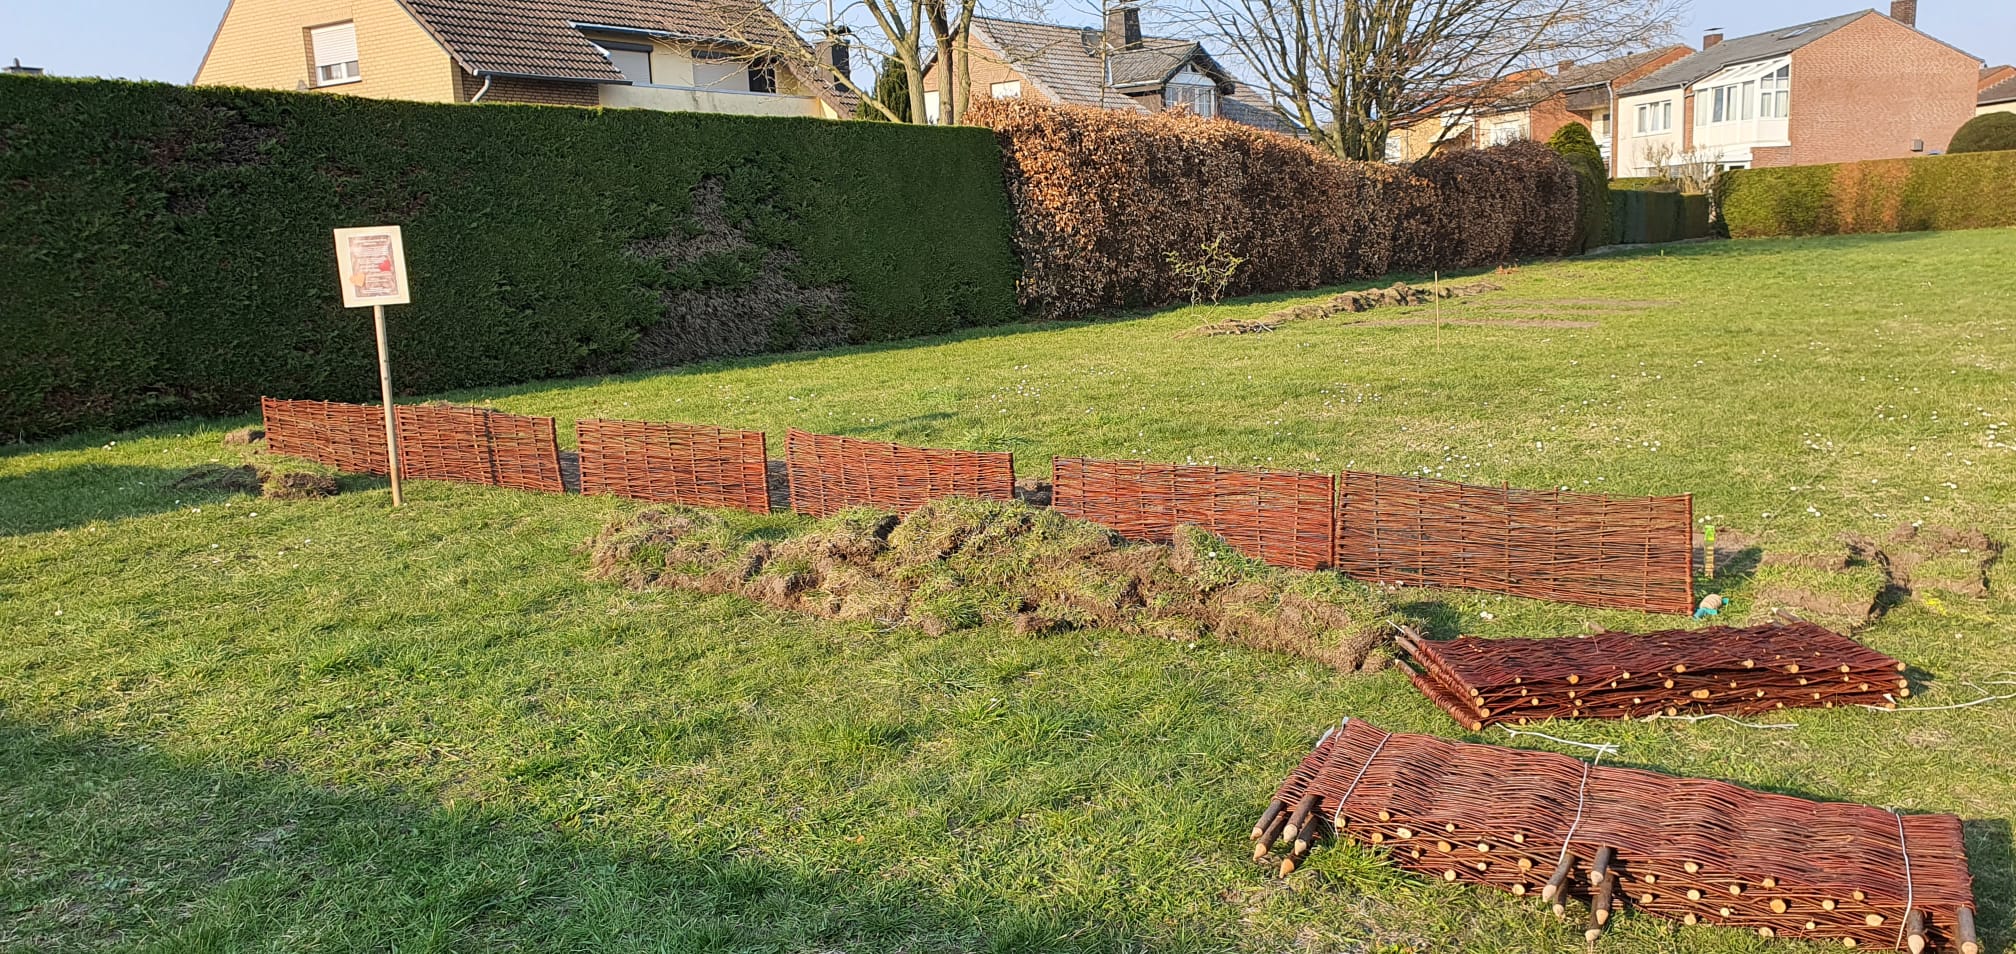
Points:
[908,35]
[1347,70]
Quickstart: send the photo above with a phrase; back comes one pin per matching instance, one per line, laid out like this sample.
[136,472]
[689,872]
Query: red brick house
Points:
[1573,94]
[1998,90]
[1858,86]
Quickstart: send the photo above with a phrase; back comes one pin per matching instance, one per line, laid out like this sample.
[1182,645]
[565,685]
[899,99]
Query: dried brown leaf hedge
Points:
[1101,197]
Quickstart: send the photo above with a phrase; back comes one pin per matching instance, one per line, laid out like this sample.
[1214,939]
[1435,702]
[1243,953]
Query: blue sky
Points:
[165,39]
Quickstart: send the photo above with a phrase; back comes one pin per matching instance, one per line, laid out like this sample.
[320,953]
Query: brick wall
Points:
[507,89]
[1868,89]
[264,44]
[1550,114]
[986,66]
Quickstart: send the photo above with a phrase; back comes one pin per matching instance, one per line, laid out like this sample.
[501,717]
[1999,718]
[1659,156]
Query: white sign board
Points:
[373,265]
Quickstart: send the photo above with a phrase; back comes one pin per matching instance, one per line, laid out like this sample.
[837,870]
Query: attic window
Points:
[1193,91]
[334,49]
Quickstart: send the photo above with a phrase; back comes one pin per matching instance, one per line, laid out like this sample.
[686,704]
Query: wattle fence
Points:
[1623,552]
[478,446]
[686,464]
[1628,552]
[830,474]
[1283,517]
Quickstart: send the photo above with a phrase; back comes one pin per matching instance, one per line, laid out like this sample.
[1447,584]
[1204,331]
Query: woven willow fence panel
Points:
[1285,518]
[688,464]
[1626,552]
[348,437]
[830,474]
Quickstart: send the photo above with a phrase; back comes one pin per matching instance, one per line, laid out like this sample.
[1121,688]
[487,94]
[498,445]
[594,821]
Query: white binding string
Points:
[1581,794]
[1909,896]
[1336,817]
[1600,748]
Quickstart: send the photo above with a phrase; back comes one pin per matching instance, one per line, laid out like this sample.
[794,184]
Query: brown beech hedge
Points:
[1102,198]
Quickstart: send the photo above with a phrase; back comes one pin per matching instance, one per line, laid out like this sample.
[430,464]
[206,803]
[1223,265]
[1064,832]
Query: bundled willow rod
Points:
[1611,675]
[1695,850]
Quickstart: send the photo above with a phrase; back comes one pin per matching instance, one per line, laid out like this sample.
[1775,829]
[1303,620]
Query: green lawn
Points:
[238,724]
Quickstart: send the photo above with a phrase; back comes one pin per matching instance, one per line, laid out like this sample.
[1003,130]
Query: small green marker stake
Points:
[1708,551]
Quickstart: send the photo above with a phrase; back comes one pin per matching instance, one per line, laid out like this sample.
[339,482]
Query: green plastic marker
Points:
[1708,550]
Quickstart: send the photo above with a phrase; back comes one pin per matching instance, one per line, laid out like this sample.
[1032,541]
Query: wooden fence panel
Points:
[830,473]
[1285,518]
[1624,552]
[687,464]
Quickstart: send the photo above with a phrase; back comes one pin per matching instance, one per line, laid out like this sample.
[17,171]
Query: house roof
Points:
[544,38]
[2003,92]
[1582,77]
[1742,49]
[1065,63]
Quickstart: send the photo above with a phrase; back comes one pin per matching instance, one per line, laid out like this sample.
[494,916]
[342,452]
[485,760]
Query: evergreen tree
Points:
[1575,144]
[892,90]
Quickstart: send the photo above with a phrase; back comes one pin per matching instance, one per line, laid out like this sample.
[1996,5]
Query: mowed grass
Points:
[231,724]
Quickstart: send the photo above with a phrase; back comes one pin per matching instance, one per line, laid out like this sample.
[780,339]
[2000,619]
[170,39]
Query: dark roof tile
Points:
[1743,49]
[1065,63]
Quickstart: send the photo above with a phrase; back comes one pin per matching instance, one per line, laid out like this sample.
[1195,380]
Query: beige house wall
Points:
[264,44]
[1634,151]
[1416,141]
[1995,108]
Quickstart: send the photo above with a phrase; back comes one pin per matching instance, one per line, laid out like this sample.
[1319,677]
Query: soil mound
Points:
[961,563]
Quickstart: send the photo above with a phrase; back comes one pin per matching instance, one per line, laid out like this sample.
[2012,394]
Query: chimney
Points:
[1905,12]
[1123,27]
[18,70]
[1563,66]
[837,48]
[1712,37]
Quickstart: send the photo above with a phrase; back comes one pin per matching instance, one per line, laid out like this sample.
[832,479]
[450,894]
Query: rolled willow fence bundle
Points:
[1695,850]
[830,474]
[1625,552]
[687,464]
[1720,669]
[1286,518]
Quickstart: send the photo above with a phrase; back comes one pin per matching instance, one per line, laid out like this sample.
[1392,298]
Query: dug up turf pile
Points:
[960,563]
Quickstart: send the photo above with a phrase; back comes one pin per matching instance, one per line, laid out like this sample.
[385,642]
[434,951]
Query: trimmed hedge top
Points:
[169,248]
[1883,195]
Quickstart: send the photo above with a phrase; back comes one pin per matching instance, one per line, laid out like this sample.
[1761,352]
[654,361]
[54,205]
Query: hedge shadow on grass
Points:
[114,840]
[65,498]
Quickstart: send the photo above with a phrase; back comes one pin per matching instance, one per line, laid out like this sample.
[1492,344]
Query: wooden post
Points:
[385,388]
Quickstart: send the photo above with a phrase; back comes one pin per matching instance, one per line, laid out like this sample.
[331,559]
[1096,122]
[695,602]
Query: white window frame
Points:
[931,106]
[1010,89]
[1655,119]
[1774,94]
[1197,92]
[1506,133]
[333,50]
